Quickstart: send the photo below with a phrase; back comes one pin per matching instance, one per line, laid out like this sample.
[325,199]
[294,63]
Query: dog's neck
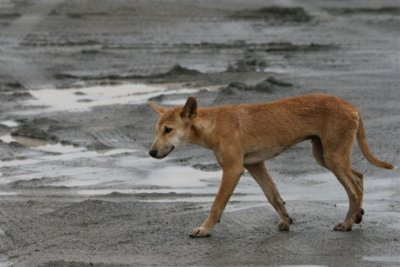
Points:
[201,132]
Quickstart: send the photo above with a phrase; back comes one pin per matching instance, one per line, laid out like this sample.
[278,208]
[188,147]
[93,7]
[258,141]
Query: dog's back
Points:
[280,124]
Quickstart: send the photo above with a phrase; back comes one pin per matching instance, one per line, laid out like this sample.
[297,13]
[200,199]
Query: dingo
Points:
[244,136]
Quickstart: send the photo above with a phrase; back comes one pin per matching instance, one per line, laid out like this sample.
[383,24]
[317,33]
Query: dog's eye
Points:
[167,130]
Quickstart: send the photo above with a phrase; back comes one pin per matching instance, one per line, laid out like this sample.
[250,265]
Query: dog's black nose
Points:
[153,153]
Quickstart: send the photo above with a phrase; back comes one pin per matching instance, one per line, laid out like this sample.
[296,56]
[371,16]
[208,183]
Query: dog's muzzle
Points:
[154,153]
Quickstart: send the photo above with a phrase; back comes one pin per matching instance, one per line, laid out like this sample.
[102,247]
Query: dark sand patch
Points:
[389,10]
[269,85]
[248,64]
[9,15]
[290,47]
[275,15]
[175,71]
[32,131]
[32,41]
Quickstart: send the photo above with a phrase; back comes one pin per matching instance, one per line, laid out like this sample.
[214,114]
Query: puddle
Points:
[325,187]
[132,172]
[129,173]
[9,123]
[41,145]
[7,138]
[66,152]
[26,141]
[83,99]
[63,157]
[174,102]
[177,177]
[59,148]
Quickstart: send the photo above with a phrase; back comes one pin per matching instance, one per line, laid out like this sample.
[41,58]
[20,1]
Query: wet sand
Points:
[76,185]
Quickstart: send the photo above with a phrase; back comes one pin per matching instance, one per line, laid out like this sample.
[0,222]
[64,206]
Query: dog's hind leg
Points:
[262,177]
[337,156]
[360,184]
[356,177]
[318,152]
[345,177]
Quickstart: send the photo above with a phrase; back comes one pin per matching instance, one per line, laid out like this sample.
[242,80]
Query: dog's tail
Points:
[362,143]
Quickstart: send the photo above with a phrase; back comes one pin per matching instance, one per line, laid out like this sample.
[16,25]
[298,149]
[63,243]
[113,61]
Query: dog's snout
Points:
[153,153]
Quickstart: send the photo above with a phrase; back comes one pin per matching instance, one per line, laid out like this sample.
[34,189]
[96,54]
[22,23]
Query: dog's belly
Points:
[260,156]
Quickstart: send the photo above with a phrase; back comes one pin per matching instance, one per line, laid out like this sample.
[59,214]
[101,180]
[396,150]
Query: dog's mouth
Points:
[166,154]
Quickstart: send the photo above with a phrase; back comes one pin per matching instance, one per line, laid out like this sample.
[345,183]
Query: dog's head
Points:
[173,127]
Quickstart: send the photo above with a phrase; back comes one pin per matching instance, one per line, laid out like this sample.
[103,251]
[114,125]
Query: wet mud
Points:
[275,14]
[77,187]
[388,10]
[172,74]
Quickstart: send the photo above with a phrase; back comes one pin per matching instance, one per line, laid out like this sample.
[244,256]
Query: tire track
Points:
[22,26]
[250,219]
[112,137]
[27,74]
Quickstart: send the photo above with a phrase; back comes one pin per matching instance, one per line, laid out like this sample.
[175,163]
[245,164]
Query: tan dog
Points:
[244,136]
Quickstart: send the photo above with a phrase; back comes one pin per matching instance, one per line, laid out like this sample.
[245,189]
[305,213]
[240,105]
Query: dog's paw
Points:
[343,227]
[283,226]
[362,211]
[199,232]
[359,217]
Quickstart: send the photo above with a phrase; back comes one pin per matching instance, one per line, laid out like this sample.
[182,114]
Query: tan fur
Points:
[244,136]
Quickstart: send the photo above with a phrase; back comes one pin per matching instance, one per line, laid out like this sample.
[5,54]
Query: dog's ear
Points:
[159,109]
[189,111]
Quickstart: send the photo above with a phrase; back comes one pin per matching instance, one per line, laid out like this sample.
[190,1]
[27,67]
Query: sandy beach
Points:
[77,187]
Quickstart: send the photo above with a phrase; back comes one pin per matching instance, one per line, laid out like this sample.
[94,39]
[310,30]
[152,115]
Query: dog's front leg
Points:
[262,177]
[230,179]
